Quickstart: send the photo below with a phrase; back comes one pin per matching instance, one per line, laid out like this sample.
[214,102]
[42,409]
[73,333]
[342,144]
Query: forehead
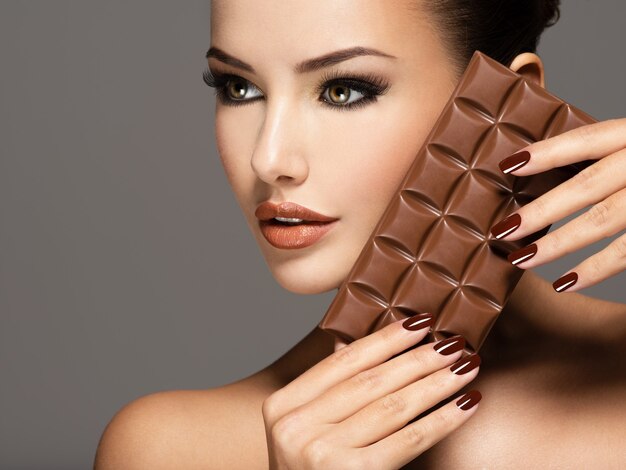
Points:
[291,30]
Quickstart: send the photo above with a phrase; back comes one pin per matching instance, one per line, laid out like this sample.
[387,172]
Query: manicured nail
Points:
[565,282]
[419,321]
[468,400]
[515,161]
[464,365]
[450,345]
[506,226]
[523,254]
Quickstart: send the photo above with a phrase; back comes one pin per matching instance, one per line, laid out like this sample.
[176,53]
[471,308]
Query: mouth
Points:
[291,226]
[288,220]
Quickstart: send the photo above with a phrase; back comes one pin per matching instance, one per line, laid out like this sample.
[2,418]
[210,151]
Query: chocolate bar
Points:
[431,250]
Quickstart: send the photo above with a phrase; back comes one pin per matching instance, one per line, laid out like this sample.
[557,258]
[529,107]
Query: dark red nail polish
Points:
[523,254]
[450,345]
[515,161]
[464,365]
[506,226]
[468,400]
[419,321]
[565,282]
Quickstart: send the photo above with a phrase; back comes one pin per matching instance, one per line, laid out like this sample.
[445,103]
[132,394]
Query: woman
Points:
[335,132]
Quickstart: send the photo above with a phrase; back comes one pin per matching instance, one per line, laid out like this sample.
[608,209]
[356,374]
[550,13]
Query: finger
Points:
[592,141]
[602,265]
[394,410]
[591,185]
[357,356]
[339,343]
[406,444]
[603,220]
[347,397]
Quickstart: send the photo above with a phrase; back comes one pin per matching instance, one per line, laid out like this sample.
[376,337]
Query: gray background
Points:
[121,244]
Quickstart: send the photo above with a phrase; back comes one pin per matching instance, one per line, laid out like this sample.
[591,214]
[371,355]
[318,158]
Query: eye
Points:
[231,89]
[340,94]
[237,89]
[336,91]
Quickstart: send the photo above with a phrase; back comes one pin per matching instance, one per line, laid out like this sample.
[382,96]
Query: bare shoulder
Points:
[204,429]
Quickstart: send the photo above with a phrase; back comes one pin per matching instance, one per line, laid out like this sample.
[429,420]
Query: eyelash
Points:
[370,85]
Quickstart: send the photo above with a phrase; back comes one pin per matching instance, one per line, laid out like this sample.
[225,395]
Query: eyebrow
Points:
[309,65]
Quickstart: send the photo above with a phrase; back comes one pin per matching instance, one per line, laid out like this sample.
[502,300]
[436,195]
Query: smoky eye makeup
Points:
[337,90]
[341,85]
[230,89]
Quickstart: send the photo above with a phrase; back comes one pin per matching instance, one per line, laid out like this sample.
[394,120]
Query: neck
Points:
[534,314]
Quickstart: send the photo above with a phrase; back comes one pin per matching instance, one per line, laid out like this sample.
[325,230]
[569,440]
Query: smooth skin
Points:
[553,367]
[601,185]
[351,409]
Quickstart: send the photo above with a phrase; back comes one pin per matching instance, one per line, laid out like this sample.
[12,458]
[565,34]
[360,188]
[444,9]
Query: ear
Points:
[530,66]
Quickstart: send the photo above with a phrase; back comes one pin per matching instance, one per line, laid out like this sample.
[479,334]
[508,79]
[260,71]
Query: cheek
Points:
[376,155]
[234,151]
[374,163]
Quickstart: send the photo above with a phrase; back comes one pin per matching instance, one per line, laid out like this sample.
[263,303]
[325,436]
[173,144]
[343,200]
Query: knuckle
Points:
[345,356]
[539,208]
[287,428]
[442,420]
[552,243]
[414,435]
[393,403]
[368,379]
[619,247]
[388,333]
[418,357]
[586,178]
[271,406]
[595,266]
[441,381]
[317,453]
[585,134]
[613,124]
[599,214]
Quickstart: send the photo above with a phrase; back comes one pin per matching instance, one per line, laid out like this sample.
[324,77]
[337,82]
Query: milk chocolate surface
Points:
[431,250]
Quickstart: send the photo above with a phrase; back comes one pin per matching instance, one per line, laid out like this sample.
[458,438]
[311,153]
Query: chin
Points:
[319,268]
[315,274]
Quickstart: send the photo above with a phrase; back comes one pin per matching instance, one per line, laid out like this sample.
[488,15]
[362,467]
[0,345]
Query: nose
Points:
[277,158]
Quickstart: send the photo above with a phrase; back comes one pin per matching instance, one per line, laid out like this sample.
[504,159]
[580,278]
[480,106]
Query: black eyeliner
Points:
[368,84]
[219,81]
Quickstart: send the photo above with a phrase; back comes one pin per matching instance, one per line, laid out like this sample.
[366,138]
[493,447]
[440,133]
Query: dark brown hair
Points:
[501,29]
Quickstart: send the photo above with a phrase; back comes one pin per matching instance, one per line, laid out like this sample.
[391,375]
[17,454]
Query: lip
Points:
[314,227]
[268,210]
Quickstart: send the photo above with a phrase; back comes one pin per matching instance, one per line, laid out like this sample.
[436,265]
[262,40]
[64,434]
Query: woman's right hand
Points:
[351,409]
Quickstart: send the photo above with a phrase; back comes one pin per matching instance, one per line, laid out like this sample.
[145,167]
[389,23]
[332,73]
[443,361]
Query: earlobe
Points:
[530,66]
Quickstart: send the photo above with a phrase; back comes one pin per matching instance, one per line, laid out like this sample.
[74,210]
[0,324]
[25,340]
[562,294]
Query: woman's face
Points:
[294,135]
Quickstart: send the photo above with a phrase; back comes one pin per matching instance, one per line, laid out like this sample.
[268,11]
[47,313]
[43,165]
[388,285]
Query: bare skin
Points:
[553,365]
[553,398]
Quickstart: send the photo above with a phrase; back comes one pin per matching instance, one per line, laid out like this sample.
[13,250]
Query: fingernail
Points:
[419,321]
[506,226]
[515,161]
[523,254]
[464,365]
[468,400]
[565,282]
[450,345]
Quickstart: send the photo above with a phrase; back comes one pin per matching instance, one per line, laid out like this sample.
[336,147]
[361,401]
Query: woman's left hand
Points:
[602,184]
